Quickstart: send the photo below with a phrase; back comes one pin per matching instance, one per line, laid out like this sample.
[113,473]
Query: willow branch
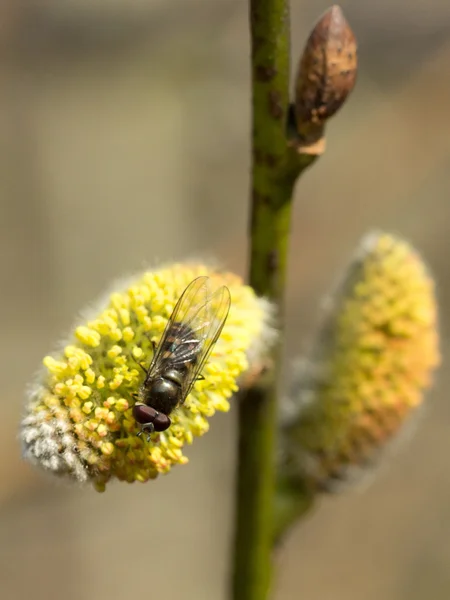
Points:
[273,179]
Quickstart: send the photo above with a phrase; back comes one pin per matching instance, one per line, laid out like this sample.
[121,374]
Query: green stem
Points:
[273,180]
[294,498]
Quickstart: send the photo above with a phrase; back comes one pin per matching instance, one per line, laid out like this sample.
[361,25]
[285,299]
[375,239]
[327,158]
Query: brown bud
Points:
[327,71]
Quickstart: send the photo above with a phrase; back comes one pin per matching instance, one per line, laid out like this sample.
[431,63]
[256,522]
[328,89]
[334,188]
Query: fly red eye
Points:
[144,414]
[162,422]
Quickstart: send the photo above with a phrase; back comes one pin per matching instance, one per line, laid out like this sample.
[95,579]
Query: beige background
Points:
[124,140]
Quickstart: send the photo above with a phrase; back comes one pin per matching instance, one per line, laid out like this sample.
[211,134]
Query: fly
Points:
[188,339]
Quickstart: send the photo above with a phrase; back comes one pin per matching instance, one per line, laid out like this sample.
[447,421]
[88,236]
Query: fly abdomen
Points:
[176,375]
[181,340]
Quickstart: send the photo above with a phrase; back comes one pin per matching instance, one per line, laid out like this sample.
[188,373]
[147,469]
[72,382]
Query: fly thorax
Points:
[163,395]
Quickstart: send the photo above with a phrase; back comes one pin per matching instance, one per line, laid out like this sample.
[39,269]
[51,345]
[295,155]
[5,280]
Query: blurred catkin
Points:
[371,363]
[78,418]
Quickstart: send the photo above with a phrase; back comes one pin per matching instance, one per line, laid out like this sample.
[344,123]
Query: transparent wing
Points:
[193,328]
[218,307]
[177,329]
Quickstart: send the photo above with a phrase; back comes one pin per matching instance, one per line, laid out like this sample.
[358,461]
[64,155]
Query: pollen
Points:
[88,336]
[79,416]
[122,405]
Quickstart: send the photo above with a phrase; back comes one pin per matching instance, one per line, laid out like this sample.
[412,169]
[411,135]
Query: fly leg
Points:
[149,428]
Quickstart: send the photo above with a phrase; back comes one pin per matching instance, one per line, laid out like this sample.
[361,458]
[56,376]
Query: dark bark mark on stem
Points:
[265,74]
[275,105]
[257,43]
[260,199]
[255,13]
[273,261]
[271,160]
[258,157]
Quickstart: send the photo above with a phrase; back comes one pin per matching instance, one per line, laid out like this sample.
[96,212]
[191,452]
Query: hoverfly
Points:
[190,334]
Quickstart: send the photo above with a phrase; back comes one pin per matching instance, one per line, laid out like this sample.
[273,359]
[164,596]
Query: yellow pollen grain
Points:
[159,323]
[155,454]
[101,413]
[102,430]
[116,382]
[141,313]
[125,318]
[118,301]
[114,351]
[92,458]
[104,326]
[137,352]
[88,336]
[89,376]
[120,361]
[71,400]
[110,418]
[128,334]
[92,424]
[107,448]
[88,407]
[122,405]
[85,360]
[73,363]
[76,415]
[84,392]
[115,335]
[60,389]
[177,443]
[57,367]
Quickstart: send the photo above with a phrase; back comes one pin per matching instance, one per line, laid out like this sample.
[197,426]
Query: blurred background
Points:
[124,140]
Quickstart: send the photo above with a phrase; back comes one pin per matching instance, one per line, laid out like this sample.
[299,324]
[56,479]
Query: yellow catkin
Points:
[79,420]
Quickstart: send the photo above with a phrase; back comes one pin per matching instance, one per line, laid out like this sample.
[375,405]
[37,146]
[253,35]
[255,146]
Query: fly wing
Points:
[193,297]
[207,326]
[193,328]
